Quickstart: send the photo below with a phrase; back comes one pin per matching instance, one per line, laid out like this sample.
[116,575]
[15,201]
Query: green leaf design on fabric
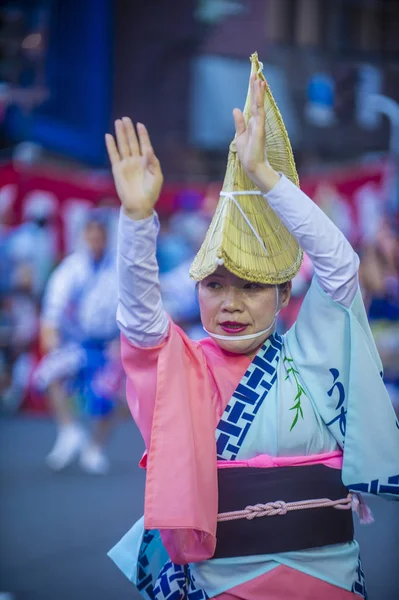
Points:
[292,372]
[294,422]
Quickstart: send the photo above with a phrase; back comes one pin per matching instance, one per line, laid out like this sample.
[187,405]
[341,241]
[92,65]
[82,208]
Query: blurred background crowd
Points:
[68,68]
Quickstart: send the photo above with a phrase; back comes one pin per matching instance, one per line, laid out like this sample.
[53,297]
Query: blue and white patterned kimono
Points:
[314,390]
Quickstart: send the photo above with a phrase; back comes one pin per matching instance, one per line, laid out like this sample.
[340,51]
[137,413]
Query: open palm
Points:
[135,168]
[250,139]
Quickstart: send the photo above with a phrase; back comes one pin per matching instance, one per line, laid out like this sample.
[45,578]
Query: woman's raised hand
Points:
[250,140]
[136,170]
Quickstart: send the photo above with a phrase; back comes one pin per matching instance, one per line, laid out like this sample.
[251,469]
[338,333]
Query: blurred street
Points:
[57,528]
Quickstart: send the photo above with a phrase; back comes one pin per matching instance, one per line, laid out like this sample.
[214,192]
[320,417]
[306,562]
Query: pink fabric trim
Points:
[282,583]
[177,393]
[265,461]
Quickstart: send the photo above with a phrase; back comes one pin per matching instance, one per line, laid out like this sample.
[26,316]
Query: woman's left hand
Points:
[250,140]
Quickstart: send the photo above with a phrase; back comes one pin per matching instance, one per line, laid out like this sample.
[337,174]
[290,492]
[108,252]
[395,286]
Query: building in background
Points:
[321,59]
[68,69]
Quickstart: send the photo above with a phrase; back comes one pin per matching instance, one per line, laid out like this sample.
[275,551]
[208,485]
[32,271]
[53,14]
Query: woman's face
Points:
[231,306]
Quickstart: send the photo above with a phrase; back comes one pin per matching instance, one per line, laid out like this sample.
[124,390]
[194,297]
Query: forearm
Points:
[334,260]
[140,315]
[57,296]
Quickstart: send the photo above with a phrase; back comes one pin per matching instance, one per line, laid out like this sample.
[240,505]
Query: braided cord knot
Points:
[270,509]
[279,507]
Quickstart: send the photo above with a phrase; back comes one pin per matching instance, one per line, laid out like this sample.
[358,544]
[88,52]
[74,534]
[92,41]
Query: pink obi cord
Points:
[265,461]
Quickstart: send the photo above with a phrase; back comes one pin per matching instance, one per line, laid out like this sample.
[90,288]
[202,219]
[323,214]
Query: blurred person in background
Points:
[34,242]
[172,248]
[379,279]
[21,282]
[181,234]
[190,219]
[181,300]
[19,317]
[188,226]
[80,340]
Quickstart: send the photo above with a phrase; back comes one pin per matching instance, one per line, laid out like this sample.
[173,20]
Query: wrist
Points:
[140,215]
[265,178]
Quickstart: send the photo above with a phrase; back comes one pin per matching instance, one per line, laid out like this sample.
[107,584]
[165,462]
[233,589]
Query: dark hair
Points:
[283,287]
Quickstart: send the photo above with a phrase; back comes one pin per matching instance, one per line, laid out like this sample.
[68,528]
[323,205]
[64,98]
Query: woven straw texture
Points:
[277,257]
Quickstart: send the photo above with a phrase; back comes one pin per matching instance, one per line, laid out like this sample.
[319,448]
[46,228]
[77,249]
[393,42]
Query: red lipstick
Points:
[233,326]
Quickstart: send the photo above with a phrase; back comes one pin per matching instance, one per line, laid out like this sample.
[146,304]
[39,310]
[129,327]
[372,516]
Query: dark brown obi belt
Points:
[281,509]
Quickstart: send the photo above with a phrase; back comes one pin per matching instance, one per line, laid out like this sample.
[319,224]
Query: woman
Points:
[275,404]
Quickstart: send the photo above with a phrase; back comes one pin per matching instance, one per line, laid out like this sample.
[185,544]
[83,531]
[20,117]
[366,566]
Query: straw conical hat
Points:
[273,255]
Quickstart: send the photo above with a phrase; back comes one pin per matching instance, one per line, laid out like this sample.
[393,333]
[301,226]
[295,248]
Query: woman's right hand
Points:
[136,170]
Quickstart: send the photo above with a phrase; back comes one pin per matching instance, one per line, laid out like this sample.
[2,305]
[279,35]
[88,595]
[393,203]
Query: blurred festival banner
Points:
[352,196]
